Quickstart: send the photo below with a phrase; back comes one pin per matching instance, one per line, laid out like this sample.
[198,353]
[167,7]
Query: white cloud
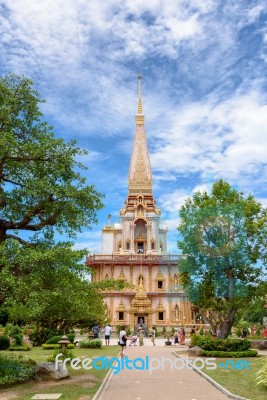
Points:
[226,139]
[171,202]
[204,96]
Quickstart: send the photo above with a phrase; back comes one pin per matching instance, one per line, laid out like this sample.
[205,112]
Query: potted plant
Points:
[168,341]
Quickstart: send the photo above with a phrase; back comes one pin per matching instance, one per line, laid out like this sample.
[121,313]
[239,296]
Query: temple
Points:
[135,250]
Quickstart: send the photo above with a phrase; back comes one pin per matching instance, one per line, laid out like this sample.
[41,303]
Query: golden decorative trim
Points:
[139,119]
[121,307]
[160,307]
[160,277]
[122,277]
[108,228]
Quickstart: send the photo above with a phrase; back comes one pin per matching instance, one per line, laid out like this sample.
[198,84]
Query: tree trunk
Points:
[212,326]
[226,325]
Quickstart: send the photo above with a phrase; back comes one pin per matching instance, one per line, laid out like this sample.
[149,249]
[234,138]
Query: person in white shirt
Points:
[107,334]
[122,341]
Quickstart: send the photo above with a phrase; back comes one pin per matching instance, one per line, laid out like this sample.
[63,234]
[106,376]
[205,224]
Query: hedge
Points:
[229,354]
[19,348]
[91,344]
[52,346]
[227,345]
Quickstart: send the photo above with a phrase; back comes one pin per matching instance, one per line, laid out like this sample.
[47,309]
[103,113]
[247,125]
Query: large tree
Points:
[221,240]
[42,191]
[41,188]
[49,285]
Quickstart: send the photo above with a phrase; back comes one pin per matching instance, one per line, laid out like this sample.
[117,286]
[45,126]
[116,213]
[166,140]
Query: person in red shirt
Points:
[264,332]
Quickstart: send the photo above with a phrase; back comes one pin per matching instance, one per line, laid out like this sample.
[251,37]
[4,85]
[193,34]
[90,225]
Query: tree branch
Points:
[14,183]
[27,244]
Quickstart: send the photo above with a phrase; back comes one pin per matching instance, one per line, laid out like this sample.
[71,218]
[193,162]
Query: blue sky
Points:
[204,90]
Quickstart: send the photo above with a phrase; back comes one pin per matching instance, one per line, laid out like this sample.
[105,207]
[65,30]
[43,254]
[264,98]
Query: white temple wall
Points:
[107,242]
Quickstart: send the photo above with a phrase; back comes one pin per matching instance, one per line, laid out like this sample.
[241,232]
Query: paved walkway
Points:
[166,383]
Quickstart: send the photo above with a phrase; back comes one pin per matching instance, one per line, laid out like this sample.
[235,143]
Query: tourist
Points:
[153,335]
[176,337]
[96,330]
[182,336]
[107,334]
[122,341]
[193,330]
[141,336]
[133,340]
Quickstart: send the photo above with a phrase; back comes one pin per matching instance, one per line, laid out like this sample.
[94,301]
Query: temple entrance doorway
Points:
[141,320]
[140,247]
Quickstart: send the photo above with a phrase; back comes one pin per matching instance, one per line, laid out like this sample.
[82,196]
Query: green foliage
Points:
[239,332]
[201,331]
[52,289]
[4,342]
[229,354]
[91,344]
[15,369]
[8,327]
[210,344]
[39,336]
[164,331]
[12,330]
[55,339]
[261,378]
[3,316]
[128,331]
[53,346]
[255,311]
[156,332]
[64,354]
[243,324]
[118,329]
[222,240]
[18,340]
[42,192]
[23,347]
[41,187]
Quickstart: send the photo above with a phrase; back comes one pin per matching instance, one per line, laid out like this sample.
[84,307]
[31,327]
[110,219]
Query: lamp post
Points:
[64,341]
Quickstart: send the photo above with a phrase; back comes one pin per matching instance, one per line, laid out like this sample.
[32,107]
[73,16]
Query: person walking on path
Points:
[153,335]
[107,334]
[141,336]
[122,341]
[96,331]
[176,337]
[182,336]
[264,332]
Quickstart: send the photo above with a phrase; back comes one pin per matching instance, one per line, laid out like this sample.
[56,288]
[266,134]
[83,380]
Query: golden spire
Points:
[139,116]
[140,174]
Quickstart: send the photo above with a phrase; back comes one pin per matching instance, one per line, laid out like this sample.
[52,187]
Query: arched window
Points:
[140,280]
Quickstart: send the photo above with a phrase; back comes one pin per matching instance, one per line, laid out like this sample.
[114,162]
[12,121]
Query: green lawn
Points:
[82,384]
[241,383]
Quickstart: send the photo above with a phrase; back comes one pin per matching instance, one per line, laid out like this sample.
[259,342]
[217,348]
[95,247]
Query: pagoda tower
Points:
[139,231]
[135,250]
